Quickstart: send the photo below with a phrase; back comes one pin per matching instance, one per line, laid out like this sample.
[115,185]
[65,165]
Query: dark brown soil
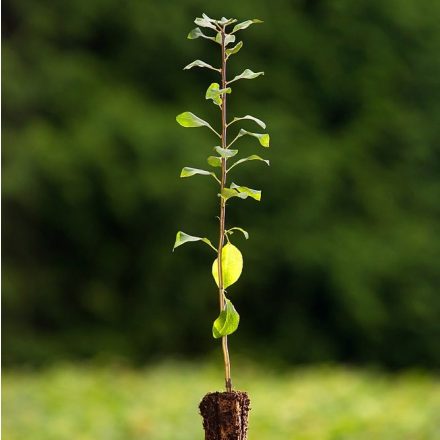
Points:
[225,415]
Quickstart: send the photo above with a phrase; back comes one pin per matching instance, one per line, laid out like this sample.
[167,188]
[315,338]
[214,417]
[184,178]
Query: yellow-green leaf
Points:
[232,265]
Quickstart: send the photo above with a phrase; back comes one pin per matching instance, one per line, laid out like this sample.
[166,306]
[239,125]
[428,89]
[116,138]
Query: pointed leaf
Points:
[263,138]
[196,33]
[232,265]
[214,161]
[214,92]
[188,120]
[252,118]
[236,228]
[253,157]
[188,172]
[247,74]
[234,49]
[200,63]
[225,152]
[205,21]
[227,322]
[182,238]
[245,24]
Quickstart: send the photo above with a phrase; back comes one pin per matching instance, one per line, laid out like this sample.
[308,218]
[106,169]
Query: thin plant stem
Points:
[221,289]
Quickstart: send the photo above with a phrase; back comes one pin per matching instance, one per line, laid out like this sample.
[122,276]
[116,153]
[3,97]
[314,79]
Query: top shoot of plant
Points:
[227,267]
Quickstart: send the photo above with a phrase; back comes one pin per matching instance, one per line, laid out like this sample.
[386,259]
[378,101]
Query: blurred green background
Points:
[342,266]
[343,260]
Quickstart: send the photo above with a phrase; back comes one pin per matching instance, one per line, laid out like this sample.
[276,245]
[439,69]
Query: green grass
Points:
[160,403]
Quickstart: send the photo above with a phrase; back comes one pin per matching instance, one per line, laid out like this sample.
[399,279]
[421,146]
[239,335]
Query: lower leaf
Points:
[227,322]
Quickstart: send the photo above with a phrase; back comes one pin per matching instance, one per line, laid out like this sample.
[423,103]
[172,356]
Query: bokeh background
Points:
[342,264]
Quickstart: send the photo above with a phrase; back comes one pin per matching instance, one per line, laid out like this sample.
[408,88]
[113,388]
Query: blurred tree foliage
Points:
[343,260]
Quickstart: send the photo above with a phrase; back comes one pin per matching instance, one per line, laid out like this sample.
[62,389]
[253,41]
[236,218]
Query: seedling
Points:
[228,266]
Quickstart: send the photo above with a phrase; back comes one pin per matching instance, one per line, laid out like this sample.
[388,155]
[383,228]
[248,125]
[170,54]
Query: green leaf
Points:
[252,118]
[263,138]
[245,24]
[247,74]
[196,33]
[227,322]
[200,63]
[236,228]
[214,161]
[225,152]
[228,38]
[188,172]
[182,238]
[243,192]
[253,157]
[214,92]
[205,21]
[232,265]
[234,49]
[188,120]
[225,21]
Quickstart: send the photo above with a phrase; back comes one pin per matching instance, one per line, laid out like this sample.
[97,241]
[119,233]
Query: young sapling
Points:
[224,413]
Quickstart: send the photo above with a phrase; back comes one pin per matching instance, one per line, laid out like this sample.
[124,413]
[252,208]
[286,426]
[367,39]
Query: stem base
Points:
[225,415]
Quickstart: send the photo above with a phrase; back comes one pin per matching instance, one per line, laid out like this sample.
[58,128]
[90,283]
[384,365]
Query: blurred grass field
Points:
[160,403]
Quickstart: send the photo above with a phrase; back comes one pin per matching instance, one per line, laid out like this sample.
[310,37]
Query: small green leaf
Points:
[243,192]
[236,228]
[182,238]
[253,157]
[227,322]
[252,118]
[225,152]
[232,265]
[263,138]
[214,161]
[188,172]
[200,63]
[247,74]
[234,49]
[205,21]
[228,38]
[245,24]
[225,21]
[214,92]
[196,33]
[188,120]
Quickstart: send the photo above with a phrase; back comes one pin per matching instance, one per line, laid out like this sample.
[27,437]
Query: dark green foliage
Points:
[344,261]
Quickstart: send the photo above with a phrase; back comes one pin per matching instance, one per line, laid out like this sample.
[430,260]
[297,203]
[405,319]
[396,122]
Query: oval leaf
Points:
[245,24]
[243,192]
[196,33]
[234,49]
[263,138]
[188,172]
[188,119]
[225,152]
[182,238]
[200,63]
[214,161]
[232,265]
[252,118]
[253,157]
[214,92]
[227,322]
[247,74]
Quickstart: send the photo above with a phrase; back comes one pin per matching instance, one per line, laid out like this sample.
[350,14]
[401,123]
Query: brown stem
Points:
[222,220]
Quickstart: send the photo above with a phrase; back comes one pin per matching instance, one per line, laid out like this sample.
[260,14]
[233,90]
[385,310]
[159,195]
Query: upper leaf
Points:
[253,157]
[214,92]
[234,49]
[245,24]
[182,238]
[200,63]
[196,33]
[263,138]
[205,21]
[247,74]
[227,322]
[225,21]
[228,38]
[252,118]
[232,265]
